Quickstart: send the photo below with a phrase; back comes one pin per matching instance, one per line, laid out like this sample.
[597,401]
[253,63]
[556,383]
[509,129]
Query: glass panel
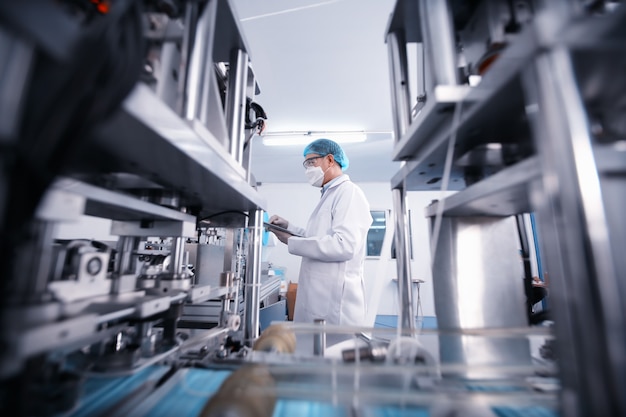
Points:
[376,233]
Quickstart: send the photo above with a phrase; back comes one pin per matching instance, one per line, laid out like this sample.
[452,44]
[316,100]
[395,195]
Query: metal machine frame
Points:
[532,132]
[170,162]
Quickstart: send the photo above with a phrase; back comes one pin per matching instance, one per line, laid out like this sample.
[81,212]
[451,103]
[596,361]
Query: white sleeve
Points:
[350,224]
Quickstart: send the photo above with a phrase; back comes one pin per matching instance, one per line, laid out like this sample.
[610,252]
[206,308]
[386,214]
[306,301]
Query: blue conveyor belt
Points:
[100,393]
[191,388]
[523,412]
[188,396]
[286,408]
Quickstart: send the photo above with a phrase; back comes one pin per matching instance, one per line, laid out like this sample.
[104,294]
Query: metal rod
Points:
[401,107]
[229,248]
[194,90]
[403,261]
[319,339]
[421,90]
[124,262]
[576,228]
[253,277]
[236,102]
[178,253]
[191,25]
[439,40]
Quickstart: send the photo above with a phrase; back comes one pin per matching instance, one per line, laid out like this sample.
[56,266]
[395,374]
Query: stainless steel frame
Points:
[159,166]
[552,93]
[582,236]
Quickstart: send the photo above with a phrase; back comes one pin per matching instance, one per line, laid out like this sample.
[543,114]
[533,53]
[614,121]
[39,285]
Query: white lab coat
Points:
[330,285]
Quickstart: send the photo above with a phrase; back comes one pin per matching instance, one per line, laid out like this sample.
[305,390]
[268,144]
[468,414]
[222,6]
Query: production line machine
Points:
[137,113]
[519,107]
[164,320]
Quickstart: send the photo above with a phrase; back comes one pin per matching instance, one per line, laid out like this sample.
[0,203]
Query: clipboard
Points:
[272,226]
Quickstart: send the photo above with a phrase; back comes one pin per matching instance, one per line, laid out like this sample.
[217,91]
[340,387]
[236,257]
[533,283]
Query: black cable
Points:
[258,124]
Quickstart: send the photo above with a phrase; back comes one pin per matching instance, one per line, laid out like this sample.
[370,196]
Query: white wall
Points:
[295,201]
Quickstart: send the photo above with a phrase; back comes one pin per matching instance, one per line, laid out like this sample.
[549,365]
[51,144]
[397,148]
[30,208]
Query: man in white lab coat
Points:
[333,245]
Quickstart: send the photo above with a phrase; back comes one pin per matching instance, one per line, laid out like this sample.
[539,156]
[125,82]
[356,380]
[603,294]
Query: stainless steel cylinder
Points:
[319,339]
[178,254]
[403,261]
[399,83]
[439,40]
[253,277]
[236,102]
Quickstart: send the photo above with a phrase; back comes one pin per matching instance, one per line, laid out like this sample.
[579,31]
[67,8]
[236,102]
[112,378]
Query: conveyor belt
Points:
[187,391]
[187,397]
[101,394]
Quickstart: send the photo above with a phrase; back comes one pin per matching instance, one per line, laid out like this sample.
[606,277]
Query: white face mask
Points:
[315,176]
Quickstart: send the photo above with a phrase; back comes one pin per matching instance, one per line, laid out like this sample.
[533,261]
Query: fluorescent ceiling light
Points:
[304,138]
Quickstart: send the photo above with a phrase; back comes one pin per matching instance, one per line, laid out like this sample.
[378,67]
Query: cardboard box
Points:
[292,292]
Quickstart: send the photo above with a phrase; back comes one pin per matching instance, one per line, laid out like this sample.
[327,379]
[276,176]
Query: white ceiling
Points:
[321,66]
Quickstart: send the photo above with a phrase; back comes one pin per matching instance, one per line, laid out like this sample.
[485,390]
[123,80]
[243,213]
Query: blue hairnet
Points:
[328,147]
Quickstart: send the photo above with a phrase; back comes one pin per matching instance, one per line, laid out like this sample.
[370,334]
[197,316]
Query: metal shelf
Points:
[554,98]
[437,111]
[148,139]
[500,119]
[498,93]
[505,193]
[487,101]
[112,205]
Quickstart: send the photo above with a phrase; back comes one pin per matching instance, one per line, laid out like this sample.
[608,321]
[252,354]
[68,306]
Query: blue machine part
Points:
[102,392]
[189,395]
[266,233]
[187,391]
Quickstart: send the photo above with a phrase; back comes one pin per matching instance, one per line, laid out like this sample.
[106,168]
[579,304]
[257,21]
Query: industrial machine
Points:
[514,104]
[139,113]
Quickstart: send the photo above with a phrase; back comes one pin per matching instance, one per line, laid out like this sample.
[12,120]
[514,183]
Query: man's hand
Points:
[279,221]
[282,236]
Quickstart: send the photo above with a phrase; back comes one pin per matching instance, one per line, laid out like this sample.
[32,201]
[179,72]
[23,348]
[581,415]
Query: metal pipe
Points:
[253,278]
[197,72]
[236,102]
[421,91]
[178,253]
[439,40]
[251,91]
[229,245]
[124,262]
[319,339]
[401,107]
[191,25]
[577,216]
[403,261]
